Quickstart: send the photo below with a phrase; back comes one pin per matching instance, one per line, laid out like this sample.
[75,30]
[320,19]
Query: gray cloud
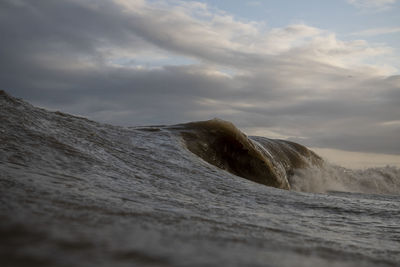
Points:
[85,58]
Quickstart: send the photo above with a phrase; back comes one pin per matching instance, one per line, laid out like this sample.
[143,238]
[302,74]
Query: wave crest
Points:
[262,160]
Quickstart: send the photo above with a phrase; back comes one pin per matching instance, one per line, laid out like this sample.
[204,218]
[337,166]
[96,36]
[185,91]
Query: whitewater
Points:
[74,192]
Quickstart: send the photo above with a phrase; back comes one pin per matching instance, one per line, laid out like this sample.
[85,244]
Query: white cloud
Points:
[283,39]
[221,39]
[377,31]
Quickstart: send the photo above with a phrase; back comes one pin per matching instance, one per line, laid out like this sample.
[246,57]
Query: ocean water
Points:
[74,192]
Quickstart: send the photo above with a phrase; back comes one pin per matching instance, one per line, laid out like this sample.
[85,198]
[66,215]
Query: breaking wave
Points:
[272,162]
[280,163]
[262,160]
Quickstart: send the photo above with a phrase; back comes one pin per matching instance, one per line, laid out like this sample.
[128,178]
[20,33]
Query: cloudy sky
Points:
[322,73]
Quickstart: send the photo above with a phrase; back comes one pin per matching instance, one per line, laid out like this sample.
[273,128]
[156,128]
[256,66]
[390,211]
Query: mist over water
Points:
[335,178]
[76,192]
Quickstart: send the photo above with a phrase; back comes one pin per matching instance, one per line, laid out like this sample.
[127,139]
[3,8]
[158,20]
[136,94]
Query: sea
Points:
[75,192]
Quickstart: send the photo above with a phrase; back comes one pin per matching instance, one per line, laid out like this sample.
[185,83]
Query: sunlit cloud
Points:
[377,31]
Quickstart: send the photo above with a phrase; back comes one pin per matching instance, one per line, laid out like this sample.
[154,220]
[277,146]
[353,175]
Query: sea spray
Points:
[328,177]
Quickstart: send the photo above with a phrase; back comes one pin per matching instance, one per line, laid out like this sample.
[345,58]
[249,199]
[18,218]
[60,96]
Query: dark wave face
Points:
[262,160]
[74,192]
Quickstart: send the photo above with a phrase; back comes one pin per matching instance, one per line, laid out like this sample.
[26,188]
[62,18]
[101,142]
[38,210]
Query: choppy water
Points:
[74,192]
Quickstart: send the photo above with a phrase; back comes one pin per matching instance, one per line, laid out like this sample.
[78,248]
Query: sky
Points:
[325,74]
